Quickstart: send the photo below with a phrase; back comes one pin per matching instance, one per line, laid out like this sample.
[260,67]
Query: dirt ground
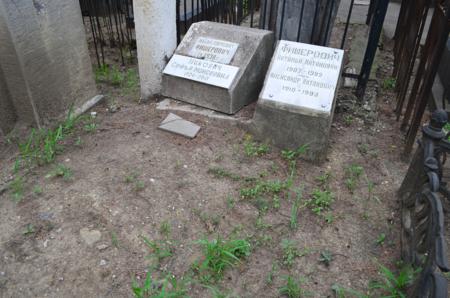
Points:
[129,179]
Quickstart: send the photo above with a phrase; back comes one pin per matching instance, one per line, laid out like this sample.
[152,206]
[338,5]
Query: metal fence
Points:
[410,31]
[111,26]
[424,195]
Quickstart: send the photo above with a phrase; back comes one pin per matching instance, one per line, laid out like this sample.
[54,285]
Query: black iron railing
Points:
[423,194]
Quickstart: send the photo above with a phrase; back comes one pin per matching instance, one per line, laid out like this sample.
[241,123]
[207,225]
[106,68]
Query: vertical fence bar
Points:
[316,14]
[372,46]
[178,22]
[327,28]
[347,24]
[283,11]
[299,32]
[252,12]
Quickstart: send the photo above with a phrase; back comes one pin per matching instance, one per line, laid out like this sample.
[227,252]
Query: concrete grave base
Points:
[296,105]
[252,58]
[289,127]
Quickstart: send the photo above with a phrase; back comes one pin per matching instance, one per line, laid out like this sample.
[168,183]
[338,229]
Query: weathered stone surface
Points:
[44,58]
[252,58]
[178,125]
[297,102]
[7,112]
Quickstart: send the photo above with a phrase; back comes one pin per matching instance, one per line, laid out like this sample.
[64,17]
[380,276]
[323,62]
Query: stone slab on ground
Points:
[296,105]
[207,83]
[178,125]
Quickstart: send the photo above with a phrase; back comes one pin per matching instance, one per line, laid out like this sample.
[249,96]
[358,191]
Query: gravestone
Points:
[45,66]
[219,66]
[297,102]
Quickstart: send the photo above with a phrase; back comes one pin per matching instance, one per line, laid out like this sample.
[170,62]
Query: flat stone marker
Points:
[178,125]
[297,102]
[219,66]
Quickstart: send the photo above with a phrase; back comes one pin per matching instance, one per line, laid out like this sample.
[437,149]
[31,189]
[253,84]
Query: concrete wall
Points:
[155,23]
[44,58]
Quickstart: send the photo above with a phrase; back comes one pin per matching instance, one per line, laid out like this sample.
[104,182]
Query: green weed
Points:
[37,190]
[381,238]
[102,73]
[217,293]
[114,239]
[326,257]
[394,285]
[348,120]
[159,249]
[165,228]
[60,170]
[342,292]
[218,172]
[252,148]
[295,209]
[389,83]
[17,188]
[29,230]
[321,201]
[353,174]
[116,77]
[290,252]
[221,254]
[271,275]
[324,179]
[169,287]
[292,288]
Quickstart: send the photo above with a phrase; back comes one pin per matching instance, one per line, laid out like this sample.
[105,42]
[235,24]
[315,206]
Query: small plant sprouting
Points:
[326,257]
[90,127]
[324,179]
[290,252]
[342,292]
[220,254]
[394,285]
[292,288]
[321,201]
[252,148]
[381,239]
[102,73]
[168,287]
[116,77]
[389,83]
[348,120]
[17,188]
[29,230]
[62,171]
[37,190]
[165,228]
[353,174]
[294,210]
[230,202]
[271,274]
[114,239]
[159,249]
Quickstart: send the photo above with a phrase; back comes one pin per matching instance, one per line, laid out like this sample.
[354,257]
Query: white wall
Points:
[155,23]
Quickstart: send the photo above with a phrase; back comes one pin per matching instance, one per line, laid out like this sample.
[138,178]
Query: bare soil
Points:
[171,182]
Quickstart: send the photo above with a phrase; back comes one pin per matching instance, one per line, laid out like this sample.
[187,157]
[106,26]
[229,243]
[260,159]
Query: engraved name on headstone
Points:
[304,75]
[214,50]
[203,71]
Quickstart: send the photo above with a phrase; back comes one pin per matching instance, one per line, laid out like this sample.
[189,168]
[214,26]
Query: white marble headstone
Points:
[214,50]
[303,75]
[203,71]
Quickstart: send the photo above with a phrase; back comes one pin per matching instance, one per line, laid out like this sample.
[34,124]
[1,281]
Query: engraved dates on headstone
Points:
[214,50]
[304,75]
[203,71]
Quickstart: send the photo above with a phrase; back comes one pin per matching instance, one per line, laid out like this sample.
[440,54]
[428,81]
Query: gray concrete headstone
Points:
[219,66]
[297,102]
[44,60]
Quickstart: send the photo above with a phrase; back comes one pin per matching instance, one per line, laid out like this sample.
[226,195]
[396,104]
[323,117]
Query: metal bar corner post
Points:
[376,28]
